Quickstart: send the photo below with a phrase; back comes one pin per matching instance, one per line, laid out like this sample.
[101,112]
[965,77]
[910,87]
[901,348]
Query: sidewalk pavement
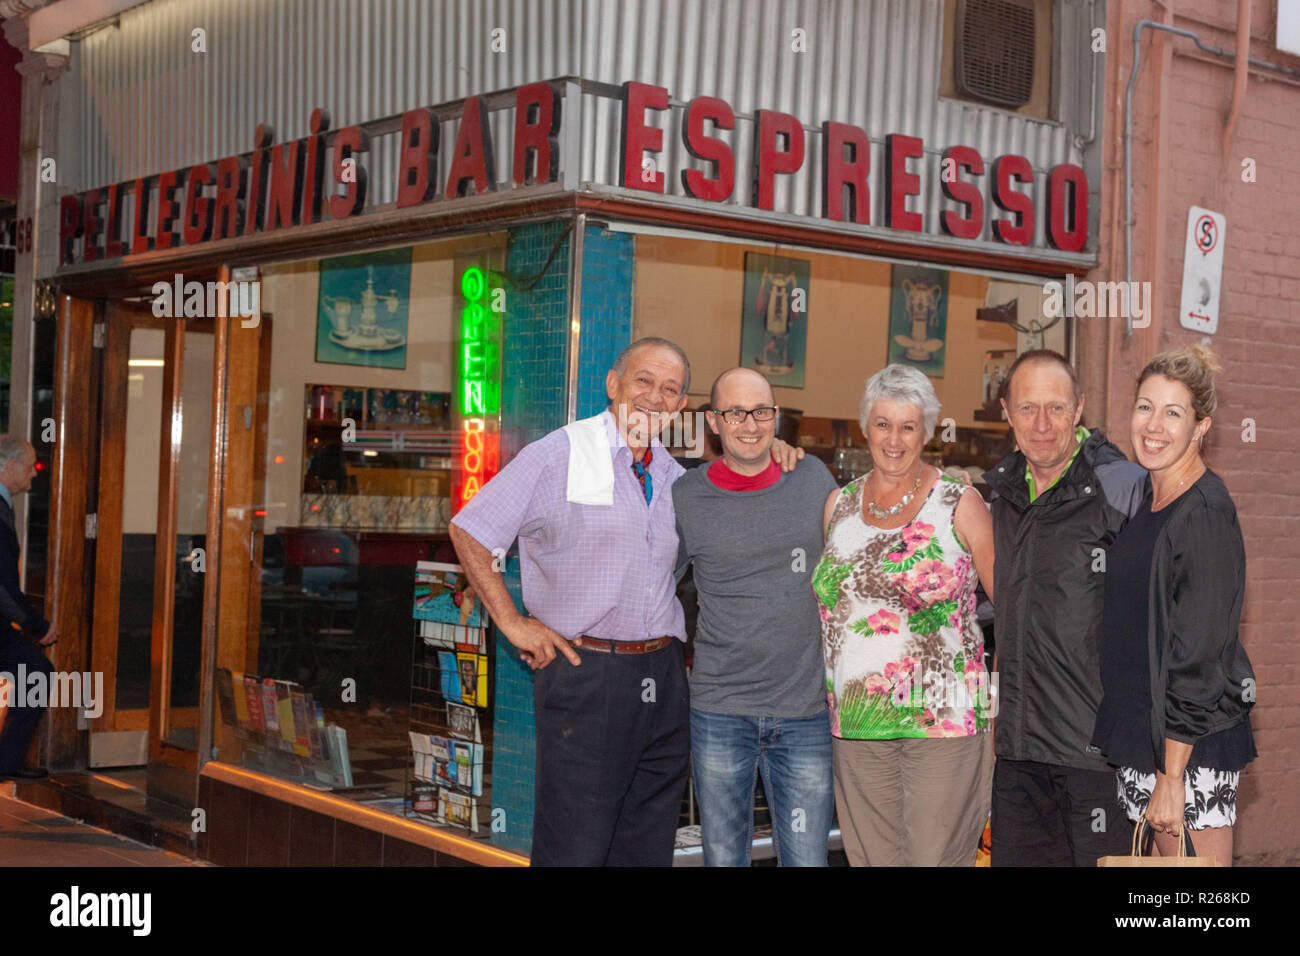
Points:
[34,836]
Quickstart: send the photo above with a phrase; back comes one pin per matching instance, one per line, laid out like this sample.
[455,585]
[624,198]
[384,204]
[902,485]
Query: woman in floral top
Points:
[905,675]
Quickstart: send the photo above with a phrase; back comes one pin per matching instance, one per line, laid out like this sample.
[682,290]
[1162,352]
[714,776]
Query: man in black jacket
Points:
[1058,503]
[17,469]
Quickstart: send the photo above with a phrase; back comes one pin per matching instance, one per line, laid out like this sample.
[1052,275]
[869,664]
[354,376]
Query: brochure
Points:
[463,722]
[457,809]
[442,594]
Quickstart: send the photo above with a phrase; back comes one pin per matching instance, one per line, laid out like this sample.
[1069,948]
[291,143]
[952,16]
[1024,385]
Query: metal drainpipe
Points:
[1239,76]
[1128,127]
[1082,142]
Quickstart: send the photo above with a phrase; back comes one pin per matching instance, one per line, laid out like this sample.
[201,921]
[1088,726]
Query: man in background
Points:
[17,469]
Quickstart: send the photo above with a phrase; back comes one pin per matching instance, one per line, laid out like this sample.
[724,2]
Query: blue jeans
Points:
[794,755]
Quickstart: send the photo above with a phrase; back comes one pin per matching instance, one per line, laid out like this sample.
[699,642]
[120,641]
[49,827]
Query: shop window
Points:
[818,325]
[363,456]
[36,547]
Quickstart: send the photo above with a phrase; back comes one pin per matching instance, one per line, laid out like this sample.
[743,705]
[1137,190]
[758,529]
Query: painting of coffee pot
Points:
[363,308]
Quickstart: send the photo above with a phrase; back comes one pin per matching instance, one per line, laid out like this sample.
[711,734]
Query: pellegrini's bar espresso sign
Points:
[280,186]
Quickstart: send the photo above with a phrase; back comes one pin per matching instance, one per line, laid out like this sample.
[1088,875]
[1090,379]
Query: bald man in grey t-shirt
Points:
[758,685]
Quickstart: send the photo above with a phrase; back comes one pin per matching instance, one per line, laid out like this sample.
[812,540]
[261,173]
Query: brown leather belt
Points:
[625,647]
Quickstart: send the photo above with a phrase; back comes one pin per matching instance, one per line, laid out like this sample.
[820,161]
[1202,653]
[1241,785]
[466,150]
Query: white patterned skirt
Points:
[1211,799]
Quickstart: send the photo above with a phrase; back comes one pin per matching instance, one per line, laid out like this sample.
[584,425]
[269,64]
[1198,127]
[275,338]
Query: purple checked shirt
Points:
[602,571]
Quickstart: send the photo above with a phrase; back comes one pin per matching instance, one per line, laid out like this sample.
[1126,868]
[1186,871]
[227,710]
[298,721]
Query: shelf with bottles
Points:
[377,409]
[377,441]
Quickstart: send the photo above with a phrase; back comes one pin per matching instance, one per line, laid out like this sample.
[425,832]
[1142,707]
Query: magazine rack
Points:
[450,712]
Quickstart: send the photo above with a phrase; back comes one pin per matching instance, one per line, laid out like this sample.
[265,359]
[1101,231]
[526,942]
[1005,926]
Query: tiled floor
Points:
[32,836]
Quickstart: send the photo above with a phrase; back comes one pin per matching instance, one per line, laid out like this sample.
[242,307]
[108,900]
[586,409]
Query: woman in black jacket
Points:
[1177,684]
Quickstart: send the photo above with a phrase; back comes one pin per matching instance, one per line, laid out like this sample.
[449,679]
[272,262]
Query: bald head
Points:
[738,380]
[747,445]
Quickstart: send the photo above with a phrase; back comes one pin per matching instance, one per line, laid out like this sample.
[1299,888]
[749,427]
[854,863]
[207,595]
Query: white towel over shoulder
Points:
[591,464]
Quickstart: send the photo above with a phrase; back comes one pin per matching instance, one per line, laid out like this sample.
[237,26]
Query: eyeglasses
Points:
[737,416]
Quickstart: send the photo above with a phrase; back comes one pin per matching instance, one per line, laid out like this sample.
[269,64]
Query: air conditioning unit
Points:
[994,55]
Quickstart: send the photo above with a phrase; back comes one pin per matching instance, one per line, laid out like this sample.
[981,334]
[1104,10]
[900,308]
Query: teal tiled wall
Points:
[535,359]
[608,277]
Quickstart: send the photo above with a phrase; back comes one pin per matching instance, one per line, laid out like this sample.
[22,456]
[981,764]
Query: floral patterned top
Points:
[904,653]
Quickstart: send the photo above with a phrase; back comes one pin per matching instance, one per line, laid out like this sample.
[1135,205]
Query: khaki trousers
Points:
[913,802]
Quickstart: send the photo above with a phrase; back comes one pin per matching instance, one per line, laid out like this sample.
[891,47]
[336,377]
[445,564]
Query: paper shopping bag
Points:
[1142,840]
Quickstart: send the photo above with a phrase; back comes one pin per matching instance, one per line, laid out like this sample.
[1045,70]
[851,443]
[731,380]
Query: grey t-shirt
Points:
[758,640]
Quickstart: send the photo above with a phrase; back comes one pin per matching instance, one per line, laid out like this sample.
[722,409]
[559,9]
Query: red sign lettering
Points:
[1067,208]
[141,241]
[717,188]
[347,143]
[846,161]
[899,183]
[415,182]
[768,160]
[113,229]
[1018,231]
[972,224]
[314,175]
[227,217]
[169,210]
[69,227]
[286,185]
[473,165]
[90,223]
[639,139]
[198,208]
[537,127]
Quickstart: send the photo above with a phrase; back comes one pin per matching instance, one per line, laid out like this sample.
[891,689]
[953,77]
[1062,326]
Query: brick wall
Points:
[1258,340]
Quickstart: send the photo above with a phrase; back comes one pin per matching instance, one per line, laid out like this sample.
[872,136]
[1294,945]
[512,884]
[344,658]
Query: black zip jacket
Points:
[1047,573]
[1201,678]
[13,603]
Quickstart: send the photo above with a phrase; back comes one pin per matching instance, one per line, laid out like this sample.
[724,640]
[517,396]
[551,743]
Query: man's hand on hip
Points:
[537,643]
[50,637]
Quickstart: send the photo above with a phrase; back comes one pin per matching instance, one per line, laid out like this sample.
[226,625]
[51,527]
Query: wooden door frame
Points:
[120,320]
[236,594]
[161,656]
[68,587]
[70,581]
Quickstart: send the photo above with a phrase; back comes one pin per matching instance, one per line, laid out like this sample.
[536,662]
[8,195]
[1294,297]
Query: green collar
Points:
[1080,436]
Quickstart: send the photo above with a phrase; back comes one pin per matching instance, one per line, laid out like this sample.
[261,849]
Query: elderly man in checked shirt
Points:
[605,630]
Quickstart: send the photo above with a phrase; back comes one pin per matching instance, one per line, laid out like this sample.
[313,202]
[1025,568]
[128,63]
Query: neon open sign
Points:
[478,393]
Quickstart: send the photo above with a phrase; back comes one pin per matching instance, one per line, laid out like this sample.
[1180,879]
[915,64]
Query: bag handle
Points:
[1141,847]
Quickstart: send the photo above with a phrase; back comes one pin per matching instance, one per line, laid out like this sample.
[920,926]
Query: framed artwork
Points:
[774,321]
[918,318]
[362,309]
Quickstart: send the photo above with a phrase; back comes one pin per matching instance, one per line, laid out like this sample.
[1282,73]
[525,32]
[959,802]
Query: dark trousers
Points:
[613,745]
[19,722]
[1049,815]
